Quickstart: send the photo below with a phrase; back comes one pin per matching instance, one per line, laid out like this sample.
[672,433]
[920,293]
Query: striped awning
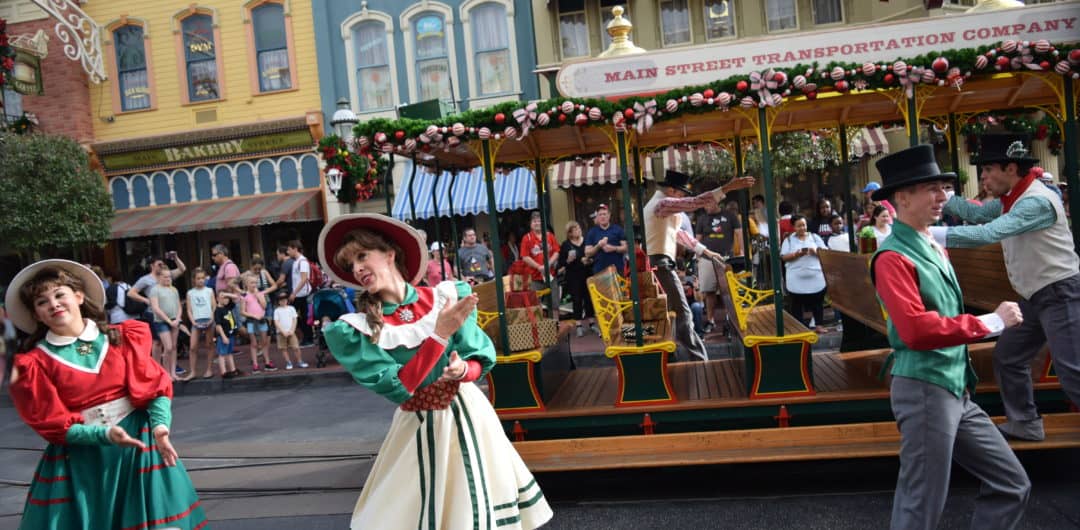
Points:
[290,206]
[586,172]
[868,141]
[513,190]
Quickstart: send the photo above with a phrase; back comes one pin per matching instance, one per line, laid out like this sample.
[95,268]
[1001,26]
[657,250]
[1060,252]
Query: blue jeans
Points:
[697,309]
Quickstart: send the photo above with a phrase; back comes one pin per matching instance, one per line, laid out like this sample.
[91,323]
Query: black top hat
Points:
[677,180]
[904,168]
[1002,148]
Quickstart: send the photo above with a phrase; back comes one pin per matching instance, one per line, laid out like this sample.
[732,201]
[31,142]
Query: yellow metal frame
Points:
[744,298]
[606,310]
[666,346]
[753,340]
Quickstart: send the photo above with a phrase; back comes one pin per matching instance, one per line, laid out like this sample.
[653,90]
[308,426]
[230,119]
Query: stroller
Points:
[329,304]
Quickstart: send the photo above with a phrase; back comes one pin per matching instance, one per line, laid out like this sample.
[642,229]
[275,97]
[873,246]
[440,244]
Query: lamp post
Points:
[333,180]
[343,120]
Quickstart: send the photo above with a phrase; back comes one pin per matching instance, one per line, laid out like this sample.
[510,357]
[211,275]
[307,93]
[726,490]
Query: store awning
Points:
[291,206]
[868,141]
[513,190]
[589,171]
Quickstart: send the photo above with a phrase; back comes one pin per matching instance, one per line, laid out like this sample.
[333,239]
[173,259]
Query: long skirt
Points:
[450,468]
[103,487]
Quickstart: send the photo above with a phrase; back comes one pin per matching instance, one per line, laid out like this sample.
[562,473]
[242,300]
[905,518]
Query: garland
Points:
[7,54]
[1018,121]
[359,169]
[758,89]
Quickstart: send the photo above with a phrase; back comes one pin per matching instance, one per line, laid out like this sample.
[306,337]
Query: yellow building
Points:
[206,125]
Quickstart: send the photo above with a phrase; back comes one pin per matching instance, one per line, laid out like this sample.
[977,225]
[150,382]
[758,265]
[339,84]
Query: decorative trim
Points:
[406,18]
[408,335]
[207,135]
[80,35]
[470,54]
[110,28]
[350,58]
[181,59]
[290,43]
[245,10]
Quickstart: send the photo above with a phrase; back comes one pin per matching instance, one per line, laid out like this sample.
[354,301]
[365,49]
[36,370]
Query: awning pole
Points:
[621,148]
[453,223]
[540,193]
[639,179]
[412,200]
[849,197]
[489,178]
[438,232]
[954,146]
[388,185]
[744,205]
[912,119]
[774,226]
[1072,171]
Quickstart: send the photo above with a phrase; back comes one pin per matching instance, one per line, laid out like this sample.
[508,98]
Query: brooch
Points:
[406,314]
[84,348]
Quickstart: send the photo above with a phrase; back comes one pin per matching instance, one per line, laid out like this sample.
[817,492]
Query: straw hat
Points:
[23,317]
[335,235]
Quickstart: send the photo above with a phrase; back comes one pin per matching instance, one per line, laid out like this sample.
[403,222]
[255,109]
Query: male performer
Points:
[932,376]
[661,232]
[1029,220]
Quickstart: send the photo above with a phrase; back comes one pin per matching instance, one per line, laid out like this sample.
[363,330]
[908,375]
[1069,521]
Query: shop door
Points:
[237,240]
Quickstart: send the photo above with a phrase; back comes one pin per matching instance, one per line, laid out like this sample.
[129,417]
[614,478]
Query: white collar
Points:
[409,335]
[90,334]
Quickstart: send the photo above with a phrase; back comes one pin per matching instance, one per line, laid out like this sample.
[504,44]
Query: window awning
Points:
[586,172]
[292,206]
[513,190]
[868,141]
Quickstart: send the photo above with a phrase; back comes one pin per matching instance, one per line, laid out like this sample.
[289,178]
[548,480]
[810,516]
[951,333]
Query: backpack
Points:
[315,277]
[111,294]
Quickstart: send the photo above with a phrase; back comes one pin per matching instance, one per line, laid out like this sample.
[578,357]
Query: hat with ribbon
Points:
[1004,148]
[677,180]
[905,168]
[338,232]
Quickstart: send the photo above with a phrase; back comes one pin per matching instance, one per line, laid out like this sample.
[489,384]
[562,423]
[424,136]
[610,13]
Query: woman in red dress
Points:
[103,404]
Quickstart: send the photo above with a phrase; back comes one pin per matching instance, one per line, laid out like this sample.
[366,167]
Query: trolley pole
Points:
[774,225]
[849,202]
[489,179]
[388,185]
[1072,171]
[624,175]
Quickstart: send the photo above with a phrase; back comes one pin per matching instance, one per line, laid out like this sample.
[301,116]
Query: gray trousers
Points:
[936,428]
[676,301]
[1052,313]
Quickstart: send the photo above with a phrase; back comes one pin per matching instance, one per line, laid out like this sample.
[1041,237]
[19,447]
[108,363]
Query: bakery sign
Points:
[663,70]
[26,75]
[199,152]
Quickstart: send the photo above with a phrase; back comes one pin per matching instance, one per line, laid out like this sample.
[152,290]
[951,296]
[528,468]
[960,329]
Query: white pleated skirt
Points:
[450,469]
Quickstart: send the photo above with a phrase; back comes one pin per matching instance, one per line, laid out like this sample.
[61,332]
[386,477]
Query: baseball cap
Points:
[1047,177]
[601,206]
[436,246]
[872,186]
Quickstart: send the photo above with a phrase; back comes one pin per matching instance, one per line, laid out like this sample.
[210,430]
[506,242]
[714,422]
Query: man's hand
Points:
[738,184]
[1010,314]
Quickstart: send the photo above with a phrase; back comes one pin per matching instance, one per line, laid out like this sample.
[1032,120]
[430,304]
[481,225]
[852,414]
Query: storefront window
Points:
[675,22]
[719,19]
[606,16]
[781,15]
[372,66]
[131,68]
[828,12]
[491,42]
[200,52]
[573,30]
[432,64]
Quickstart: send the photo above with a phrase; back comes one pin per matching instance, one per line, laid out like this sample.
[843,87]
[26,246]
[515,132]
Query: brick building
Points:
[63,105]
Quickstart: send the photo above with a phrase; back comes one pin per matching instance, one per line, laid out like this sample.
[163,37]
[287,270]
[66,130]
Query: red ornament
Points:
[500,118]
[889,79]
[562,118]
[1074,56]
[629,113]
[1003,61]
[841,86]
[812,95]
[779,77]
[741,86]
[708,93]
[940,65]
[400,135]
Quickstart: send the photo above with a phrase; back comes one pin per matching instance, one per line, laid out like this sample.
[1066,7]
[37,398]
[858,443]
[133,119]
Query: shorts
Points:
[707,282]
[161,327]
[225,349]
[287,342]
[256,326]
[202,323]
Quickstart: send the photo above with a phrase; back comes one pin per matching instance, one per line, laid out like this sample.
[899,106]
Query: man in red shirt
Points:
[532,253]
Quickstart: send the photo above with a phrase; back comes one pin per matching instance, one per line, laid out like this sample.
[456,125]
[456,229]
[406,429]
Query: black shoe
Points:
[306,344]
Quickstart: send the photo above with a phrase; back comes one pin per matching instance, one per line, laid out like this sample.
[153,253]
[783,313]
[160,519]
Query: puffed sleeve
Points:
[470,341]
[146,379]
[38,402]
[370,366]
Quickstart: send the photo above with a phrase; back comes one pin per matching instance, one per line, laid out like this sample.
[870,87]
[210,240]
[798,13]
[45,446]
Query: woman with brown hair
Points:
[446,461]
[96,395]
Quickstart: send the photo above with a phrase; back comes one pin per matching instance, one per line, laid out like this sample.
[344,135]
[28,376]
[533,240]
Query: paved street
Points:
[291,459]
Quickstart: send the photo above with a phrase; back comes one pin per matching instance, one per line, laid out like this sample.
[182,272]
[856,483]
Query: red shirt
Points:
[532,247]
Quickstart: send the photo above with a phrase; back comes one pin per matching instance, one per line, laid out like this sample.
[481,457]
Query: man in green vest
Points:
[932,373]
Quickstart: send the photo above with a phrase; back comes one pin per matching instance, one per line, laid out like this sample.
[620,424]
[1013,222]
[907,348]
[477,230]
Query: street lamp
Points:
[333,180]
[343,120]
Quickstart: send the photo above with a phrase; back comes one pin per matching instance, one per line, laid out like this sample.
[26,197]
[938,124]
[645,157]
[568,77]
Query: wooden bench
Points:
[850,290]
[518,381]
[643,374]
[776,365]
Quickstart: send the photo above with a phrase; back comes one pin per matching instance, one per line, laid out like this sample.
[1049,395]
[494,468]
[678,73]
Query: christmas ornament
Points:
[567,107]
[671,106]
[458,129]
[940,65]
[696,99]
[595,114]
[500,118]
[484,133]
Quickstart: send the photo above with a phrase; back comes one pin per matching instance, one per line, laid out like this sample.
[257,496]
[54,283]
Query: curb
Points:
[263,382]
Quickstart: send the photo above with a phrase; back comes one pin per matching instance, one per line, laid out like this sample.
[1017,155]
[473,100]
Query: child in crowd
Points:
[253,309]
[165,304]
[285,322]
[225,328]
[200,310]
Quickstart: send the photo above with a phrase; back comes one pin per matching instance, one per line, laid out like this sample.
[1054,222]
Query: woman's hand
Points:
[455,370]
[453,316]
[119,437]
[164,446]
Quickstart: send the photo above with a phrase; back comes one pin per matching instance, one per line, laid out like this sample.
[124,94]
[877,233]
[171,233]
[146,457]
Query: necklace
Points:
[84,348]
[406,314]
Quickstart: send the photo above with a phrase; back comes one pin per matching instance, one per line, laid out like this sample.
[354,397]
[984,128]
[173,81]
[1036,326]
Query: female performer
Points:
[103,404]
[446,462]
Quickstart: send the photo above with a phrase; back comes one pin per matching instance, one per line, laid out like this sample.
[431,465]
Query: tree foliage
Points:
[792,154]
[50,200]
